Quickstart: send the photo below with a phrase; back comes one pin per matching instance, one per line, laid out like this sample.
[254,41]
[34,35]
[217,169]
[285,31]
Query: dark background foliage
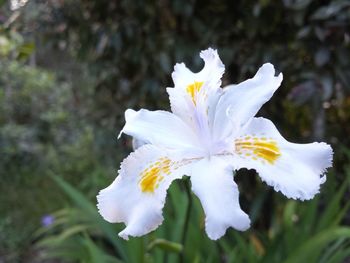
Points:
[70,68]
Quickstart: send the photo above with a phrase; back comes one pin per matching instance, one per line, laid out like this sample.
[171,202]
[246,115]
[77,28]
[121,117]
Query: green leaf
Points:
[75,195]
[96,254]
[91,213]
[315,244]
[165,245]
[333,208]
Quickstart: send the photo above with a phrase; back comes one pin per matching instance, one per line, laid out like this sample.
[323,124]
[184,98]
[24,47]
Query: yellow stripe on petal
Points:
[154,174]
[158,170]
[258,148]
[193,89]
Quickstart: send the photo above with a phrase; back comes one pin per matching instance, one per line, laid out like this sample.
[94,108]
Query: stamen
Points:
[258,148]
[193,89]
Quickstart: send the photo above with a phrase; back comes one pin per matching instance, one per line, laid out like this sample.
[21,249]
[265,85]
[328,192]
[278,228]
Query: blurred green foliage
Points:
[69,70]
[301,232]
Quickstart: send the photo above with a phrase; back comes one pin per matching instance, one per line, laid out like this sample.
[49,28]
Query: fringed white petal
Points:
[211,72]
[160,128]
[137,195]
[182,106]
[195,95]
[294,169]
[212,181]
[241,102]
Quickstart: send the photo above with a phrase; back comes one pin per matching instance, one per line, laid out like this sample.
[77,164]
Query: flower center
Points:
[258,148]
[193,89]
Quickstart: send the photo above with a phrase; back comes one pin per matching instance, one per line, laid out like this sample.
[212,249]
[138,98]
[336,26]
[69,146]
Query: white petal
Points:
[241,102]
[160,128]
[212,70]
[195,95]
[212,181]
[184,103]
[182,106]
[294,169]
[136,143]
[137,195]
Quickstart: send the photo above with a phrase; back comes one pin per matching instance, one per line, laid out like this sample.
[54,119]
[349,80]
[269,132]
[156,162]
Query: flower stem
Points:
[187,219]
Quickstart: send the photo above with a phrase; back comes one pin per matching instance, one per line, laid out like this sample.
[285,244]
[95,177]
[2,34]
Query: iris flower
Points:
[210,132]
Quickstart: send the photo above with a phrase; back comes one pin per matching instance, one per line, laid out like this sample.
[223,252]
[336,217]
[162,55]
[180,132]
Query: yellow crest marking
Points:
[258,148]
[193,89]
[154,174]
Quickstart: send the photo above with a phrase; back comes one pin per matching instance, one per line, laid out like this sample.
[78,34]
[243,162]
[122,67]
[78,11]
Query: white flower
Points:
[210,132]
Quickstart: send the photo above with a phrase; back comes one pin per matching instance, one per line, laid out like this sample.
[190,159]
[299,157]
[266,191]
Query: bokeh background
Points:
[70,68]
